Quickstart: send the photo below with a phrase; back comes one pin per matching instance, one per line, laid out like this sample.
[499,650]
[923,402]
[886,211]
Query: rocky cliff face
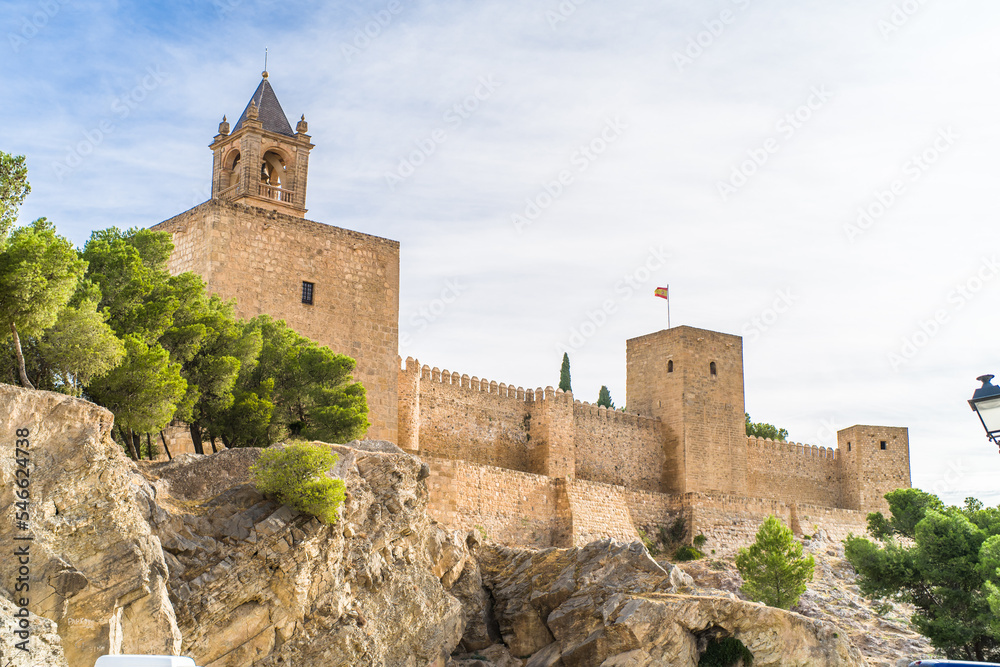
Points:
[611,604]
[187,557]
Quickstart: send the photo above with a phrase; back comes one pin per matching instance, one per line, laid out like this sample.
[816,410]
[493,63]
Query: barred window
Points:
[307,292]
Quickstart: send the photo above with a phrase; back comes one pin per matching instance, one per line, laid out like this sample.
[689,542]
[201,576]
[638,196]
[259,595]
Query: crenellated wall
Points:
[536,467]
[543,431]
[617,447]
[452,416]
[793,472]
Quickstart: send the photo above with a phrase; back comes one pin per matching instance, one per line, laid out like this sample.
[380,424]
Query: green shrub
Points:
[648,543]
[675,534]
[725,652]
[687,552]
[296,476]
[699,541]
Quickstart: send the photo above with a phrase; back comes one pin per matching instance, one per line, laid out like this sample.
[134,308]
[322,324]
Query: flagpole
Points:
[668,306]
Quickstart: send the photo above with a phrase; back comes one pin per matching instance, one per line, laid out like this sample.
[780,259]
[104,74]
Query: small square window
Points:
[307,292]
[882,444]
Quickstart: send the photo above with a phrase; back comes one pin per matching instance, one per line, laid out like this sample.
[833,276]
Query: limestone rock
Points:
[260,584]
[96,568]
[44,646]
[611,604]
[131,558]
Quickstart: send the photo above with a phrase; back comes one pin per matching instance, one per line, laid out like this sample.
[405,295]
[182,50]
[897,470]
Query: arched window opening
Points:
[272,170]
[231,174]
[670,366]
[712,370]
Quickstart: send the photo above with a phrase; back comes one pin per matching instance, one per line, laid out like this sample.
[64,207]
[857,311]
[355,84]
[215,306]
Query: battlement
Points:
[782,448]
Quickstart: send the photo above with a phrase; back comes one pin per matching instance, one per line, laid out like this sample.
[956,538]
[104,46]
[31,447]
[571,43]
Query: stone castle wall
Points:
[541,431]
[792,472]
[261,259]
[617,448]
[518,508]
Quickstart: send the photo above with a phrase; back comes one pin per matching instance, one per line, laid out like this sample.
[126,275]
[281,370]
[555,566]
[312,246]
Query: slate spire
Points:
[269,111]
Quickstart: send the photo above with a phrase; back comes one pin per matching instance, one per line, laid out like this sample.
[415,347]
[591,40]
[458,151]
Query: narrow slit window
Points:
[670,366]
[848,446]
[307,292]
[712,370]
[882,444]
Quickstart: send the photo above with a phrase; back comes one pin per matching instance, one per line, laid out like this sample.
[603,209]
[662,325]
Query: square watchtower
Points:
[692,380]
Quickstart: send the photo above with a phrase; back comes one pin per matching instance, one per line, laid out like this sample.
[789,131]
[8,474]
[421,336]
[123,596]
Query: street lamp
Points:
[986,402]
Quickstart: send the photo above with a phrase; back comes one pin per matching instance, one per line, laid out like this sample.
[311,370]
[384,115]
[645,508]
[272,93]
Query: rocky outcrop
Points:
[43,644]
[186,557]
[610,604]
[96,568]
[255,582]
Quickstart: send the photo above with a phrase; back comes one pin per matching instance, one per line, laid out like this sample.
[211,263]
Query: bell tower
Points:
[262,162]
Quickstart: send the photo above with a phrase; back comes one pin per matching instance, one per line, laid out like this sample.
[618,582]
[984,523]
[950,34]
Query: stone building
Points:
[251,242]
[525,466]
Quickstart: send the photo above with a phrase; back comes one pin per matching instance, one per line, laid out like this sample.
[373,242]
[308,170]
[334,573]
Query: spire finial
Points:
[264,73]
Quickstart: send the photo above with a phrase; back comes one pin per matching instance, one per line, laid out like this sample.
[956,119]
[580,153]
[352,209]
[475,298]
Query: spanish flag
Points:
[661,292]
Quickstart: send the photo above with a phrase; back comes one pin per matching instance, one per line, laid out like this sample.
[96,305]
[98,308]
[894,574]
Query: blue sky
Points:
[818,178]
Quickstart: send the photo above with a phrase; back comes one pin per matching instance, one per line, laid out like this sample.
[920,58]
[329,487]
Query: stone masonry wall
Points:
[792,472]
[730,522]
[261,258]
[598,511]
[505,506]
[475,420]
[617,447]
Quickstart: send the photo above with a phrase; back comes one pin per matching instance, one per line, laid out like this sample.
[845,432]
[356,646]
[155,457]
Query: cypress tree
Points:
[564,382]
[604,398]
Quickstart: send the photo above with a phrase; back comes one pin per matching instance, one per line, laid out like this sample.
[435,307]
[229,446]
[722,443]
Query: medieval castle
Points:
[525,466]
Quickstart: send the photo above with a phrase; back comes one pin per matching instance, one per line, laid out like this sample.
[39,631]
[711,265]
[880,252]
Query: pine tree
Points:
[39,272]
[14,188]
[604,398]
[773,568]
[564,382]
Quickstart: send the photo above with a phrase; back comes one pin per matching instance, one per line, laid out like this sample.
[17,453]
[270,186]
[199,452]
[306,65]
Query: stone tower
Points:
[262,162]
[692,380]
[873,461]
[251,243]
